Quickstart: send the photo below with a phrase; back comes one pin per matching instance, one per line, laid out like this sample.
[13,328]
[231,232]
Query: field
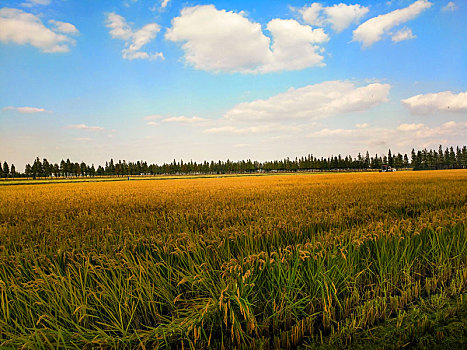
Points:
[314,260]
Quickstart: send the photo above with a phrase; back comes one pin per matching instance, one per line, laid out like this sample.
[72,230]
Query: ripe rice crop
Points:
[246,262]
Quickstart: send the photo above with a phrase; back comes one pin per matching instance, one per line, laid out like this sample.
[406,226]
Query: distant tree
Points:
[452,158]
[111,170]
[83,168]
[36,168]
[100,170]
[406,161]
[69,168]
[28,170]
[390,159]
[63,168]
[45,168]
[398,161]
[463,157]
[13,170]
[6,169]
[413,158]
[76,169]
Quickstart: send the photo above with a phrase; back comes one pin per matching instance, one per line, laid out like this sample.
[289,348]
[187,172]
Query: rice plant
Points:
[247,262]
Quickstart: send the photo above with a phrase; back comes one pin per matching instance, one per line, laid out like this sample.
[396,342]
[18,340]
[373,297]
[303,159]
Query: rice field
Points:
[269,262]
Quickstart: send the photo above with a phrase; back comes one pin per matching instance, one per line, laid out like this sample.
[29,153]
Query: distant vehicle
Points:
[386,168]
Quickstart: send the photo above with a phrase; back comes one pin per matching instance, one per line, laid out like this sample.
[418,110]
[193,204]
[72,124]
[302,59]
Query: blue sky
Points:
[202,80]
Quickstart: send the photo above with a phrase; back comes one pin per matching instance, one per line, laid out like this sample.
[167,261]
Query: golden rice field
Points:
[289,261]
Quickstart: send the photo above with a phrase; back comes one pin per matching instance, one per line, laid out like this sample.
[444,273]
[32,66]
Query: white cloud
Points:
[31,3]
[444,101]
[449,125]
[312,14]
[339,16]
[228,130]
[332,132]
[19,27]
[410,127]
[164,3]
[241,145]
[26,110]
[406,135]
[85,127]
[221,41]
[450,6]
[446,129]
[183,120]
[152,123]
[373,30]
[134,40]
[362,126]
[292,47]
[64,27]
[312,102]
[403,34]
[255,129]
[82,139]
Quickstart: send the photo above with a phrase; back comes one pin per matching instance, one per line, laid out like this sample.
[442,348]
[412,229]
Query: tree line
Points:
[449,158]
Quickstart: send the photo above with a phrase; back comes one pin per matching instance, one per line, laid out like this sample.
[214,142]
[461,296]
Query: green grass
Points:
[278,299]
[434,322]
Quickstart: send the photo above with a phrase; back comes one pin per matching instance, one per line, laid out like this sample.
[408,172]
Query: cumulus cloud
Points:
[332,132]
[450,6]
[445,101]
[403,34]
[19,27]
[312,102]
[134,40]
[222,41]
[292,47]
[32,3]
[410,127]
[406,135]
[64,27]
[164,3]
[373,30]
[339,16]
[183,120]
[82,139]
[256,129]
[26,110]
[446,129]
[85,127]
[312,14]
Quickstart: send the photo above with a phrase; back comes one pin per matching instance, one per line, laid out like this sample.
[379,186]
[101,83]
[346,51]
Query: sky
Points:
[207,80]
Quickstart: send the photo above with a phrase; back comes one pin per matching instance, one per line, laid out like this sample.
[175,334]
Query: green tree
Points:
[36,168]
[6,169]
[413,157]
[28,170]
[83,168]
[45,167]
[390,159]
